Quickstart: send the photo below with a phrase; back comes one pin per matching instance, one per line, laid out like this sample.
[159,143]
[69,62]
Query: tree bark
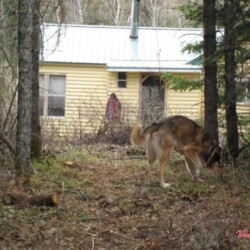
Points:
[230,88]
[36,141]
[7,142]
[210,68]
[23,165]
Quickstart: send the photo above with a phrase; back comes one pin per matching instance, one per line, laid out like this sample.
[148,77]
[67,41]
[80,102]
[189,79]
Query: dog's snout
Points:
[220,177]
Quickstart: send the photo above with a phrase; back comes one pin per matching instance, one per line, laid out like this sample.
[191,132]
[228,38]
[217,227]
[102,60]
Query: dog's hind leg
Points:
[163,161]
[150,166]
[151,159]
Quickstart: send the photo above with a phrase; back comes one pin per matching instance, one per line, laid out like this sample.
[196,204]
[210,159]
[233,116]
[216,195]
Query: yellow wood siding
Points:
[86,96]
[188,103]
[129,97]
[243,109]
[88,88]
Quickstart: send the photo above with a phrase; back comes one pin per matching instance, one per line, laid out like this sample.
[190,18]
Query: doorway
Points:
[152,98]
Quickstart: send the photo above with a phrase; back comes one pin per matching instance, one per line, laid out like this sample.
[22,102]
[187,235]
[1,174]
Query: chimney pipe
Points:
[134,19]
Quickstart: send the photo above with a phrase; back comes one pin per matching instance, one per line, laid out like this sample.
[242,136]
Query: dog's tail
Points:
[139,139]
[136,137]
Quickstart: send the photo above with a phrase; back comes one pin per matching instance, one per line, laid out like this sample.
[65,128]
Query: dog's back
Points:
[184,131]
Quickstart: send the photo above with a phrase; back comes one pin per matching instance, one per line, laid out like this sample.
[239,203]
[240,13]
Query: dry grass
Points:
[107,205]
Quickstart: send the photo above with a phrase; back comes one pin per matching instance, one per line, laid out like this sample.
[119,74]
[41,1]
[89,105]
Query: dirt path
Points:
[107,205]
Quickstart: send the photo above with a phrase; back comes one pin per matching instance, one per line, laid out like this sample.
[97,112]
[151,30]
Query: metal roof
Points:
[156,49]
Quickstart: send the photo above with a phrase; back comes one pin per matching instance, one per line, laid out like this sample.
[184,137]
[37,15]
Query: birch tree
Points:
[76,11]
[116,9]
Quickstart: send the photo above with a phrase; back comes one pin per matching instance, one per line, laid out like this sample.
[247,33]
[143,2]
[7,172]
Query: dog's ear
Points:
[205,136]
[215,144]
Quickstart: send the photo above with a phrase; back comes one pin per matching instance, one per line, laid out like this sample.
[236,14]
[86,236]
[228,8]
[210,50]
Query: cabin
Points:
[80,66]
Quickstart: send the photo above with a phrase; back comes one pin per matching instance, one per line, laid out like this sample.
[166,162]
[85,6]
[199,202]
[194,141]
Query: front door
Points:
[152,99]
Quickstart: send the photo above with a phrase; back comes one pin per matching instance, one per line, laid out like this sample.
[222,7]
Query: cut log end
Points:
[50,200]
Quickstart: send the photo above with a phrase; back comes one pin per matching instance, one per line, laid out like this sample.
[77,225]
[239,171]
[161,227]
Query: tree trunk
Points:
[23,165]
[210,68]
[230,88]
[36,141]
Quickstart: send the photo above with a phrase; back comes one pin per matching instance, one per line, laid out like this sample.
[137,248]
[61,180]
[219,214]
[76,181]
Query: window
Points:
[243,90]
[122,80]
[52,95]
[41,94]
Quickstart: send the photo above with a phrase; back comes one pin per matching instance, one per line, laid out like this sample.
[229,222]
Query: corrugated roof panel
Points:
[158,48]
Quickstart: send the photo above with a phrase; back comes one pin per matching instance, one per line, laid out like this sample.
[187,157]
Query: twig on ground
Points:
[123,236]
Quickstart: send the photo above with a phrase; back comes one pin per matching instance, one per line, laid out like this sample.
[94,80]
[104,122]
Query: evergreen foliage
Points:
[179,83]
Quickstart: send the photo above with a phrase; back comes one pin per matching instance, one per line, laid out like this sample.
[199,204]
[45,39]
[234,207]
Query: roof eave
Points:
[195,69]
[145,69]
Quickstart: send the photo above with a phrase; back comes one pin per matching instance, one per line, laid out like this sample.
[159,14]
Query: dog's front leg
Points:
[193,162]
[195,172]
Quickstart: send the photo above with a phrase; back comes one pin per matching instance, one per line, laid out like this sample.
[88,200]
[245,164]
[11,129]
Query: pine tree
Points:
[230,88]
[210,69]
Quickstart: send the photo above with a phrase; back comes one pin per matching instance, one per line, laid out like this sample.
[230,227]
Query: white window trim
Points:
[122,80]
[46,95]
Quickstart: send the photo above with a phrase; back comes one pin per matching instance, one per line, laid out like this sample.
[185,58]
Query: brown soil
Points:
[107,205]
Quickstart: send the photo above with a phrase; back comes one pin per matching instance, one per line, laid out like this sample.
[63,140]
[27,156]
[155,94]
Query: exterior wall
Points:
[88,88]
[130,96]
[86,96]
[185,103]
[188,103]
[243,109]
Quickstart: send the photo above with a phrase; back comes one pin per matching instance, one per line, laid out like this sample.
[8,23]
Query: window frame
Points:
[46,95]
[122,80]
[246,89]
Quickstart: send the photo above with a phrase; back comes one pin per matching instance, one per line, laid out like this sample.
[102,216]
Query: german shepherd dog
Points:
[183,135]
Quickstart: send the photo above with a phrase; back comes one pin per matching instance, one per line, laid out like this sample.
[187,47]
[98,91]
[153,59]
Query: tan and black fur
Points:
[183,135]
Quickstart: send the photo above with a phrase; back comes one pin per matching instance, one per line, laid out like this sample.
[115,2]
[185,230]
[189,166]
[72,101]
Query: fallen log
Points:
[24,200]
[50,200]
[16,196]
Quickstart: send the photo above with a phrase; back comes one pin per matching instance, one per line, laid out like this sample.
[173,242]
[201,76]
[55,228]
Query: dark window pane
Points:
[122,84]
[122,76]
[56,106]
[56,96]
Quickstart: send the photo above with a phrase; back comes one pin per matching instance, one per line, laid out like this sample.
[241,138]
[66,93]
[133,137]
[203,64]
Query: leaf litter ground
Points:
[107,205]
